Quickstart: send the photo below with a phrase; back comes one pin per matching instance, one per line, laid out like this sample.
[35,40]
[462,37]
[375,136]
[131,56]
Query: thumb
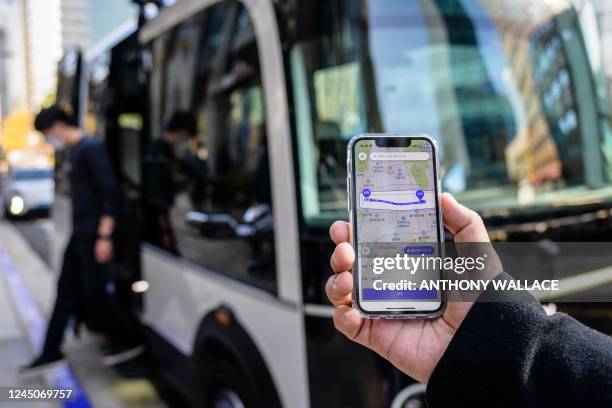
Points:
[465,224]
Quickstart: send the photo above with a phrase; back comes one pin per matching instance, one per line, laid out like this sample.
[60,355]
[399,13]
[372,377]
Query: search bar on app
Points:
[416,156]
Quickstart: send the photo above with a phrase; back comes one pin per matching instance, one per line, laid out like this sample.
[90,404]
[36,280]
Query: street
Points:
[27,286]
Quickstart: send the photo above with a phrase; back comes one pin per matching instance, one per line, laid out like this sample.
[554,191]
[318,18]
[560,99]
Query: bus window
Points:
[97,104]
[220,213]
[516,116]
[69,71]
[510,97]
[179,66]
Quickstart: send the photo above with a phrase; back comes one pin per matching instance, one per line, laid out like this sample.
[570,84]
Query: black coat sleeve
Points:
[103,178]
[508,352]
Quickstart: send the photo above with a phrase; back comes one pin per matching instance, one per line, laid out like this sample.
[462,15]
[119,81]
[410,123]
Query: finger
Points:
[348,321]
[465,224]
[343,258]
[339,232]
[339,288]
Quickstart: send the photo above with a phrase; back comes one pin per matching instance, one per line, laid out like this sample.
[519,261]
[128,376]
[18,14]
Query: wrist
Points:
[104,237]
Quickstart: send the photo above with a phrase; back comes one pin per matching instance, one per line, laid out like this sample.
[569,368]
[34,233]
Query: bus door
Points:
[116,113]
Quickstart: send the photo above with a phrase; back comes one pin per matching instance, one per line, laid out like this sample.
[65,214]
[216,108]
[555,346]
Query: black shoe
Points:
[42,364]
[117,354]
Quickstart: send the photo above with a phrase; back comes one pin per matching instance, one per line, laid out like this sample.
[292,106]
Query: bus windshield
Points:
[512,93]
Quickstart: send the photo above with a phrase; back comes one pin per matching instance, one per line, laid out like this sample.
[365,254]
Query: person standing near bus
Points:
[82,286]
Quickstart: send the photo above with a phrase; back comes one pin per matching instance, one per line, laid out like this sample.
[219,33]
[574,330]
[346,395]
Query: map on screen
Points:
[395,210]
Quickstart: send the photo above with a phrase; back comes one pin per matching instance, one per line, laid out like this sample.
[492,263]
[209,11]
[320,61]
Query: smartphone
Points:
[395,215]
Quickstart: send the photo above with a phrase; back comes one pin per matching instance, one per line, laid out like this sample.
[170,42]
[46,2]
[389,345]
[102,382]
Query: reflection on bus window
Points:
[216,206]
[98,97]
[511,100]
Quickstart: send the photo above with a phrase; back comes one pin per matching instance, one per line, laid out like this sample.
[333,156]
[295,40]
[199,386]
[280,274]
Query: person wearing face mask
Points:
[162,161]
[82,286]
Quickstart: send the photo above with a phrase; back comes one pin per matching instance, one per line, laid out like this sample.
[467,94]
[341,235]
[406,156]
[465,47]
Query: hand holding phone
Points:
[413,346]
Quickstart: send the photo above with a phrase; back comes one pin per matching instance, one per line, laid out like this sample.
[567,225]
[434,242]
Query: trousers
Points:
[83,294]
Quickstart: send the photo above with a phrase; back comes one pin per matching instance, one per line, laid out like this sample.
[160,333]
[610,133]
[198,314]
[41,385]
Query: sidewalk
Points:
[101,385]
[15,347]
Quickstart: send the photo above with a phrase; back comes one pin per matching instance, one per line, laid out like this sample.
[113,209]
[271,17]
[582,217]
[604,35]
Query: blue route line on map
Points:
[375,200]
[419,193]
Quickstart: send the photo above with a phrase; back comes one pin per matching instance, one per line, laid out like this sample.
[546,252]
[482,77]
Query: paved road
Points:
[14,346]
[38,234]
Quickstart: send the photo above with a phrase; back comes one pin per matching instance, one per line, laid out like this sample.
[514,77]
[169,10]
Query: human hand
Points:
[103,250]
[414,346]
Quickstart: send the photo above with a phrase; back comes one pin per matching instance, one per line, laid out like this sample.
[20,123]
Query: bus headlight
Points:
[16,205]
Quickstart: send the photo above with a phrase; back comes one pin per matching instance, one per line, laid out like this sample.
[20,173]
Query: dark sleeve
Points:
[510,353]
[103,178]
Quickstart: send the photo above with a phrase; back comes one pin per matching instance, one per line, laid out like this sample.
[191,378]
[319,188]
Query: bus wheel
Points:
[224,385]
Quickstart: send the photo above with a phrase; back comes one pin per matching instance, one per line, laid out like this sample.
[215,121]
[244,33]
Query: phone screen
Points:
[396,212]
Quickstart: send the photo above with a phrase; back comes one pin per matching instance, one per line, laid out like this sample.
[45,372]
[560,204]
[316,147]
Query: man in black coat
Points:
[82,289]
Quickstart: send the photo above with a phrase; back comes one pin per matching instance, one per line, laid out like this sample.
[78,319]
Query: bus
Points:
[234,299]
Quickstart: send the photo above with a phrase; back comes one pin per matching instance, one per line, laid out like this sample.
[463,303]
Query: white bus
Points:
[235,292]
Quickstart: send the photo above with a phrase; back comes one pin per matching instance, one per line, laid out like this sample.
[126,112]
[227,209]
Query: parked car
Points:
[27,190]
